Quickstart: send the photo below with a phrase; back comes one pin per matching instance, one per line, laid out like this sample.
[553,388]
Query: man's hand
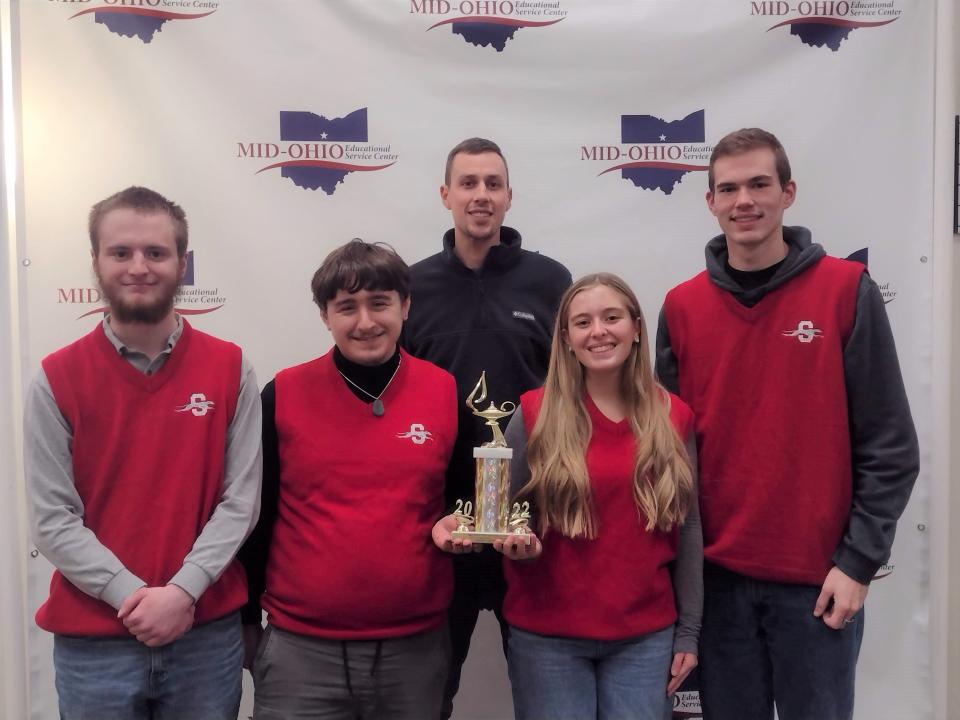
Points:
[840,599]
[251,640]
[443,537]
[681,666]
[158,615]
[133,599]
[519,547]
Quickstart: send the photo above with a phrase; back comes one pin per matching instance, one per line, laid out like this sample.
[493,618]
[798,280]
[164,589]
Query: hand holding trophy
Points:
[489,518]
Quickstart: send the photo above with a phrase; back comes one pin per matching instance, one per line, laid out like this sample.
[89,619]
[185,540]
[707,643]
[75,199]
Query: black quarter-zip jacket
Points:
[497,319]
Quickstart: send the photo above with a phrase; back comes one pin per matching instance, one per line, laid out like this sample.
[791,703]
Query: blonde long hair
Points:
[559,484]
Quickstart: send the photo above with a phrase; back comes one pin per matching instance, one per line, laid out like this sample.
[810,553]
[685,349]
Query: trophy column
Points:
[492,489]
[493,519]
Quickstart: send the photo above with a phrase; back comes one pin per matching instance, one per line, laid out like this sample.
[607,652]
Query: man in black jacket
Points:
[481,303]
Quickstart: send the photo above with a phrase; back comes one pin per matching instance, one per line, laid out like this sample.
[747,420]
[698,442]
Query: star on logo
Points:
[805,332]
[662,138]
[198,405]
[417,434]
[323,136]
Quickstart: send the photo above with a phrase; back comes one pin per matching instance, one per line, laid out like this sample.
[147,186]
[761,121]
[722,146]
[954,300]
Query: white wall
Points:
[13,614]
[950,65]
[946,555]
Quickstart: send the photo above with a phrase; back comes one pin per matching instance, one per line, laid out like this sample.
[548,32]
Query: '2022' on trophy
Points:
[490,516]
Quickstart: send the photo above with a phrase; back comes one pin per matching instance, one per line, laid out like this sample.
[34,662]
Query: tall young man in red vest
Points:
[143,476]
[807,451]
[355,443]
[481,303]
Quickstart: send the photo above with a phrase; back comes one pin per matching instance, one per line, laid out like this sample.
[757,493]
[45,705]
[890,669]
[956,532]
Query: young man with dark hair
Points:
[143,478]
[807,451]
[482,303]
[356,443]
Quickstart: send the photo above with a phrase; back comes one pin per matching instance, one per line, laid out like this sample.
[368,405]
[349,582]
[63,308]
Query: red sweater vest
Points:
[766,385]
[352,556]
[616,585]
[148,467]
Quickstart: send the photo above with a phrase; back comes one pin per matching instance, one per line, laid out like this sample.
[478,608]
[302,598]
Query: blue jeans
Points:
[556,678]
[761,645]
[194,678]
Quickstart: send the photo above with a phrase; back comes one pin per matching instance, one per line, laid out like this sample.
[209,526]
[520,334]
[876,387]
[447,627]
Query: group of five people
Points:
[750,482]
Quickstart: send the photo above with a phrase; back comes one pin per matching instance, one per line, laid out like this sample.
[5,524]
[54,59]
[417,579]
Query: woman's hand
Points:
[519,547]
[682,664]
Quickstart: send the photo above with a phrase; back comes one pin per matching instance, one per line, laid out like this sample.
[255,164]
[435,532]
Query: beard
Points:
[143,313]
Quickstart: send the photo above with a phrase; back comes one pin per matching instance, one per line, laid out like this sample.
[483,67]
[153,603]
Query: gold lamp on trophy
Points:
[489,517]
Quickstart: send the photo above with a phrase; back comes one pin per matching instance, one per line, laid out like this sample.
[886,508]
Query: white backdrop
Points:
[186,96]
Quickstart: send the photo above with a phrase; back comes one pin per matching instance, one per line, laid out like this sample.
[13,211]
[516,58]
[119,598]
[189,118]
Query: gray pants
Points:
[298,676]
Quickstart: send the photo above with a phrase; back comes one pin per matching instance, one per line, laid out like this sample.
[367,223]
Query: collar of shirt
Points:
[141,361]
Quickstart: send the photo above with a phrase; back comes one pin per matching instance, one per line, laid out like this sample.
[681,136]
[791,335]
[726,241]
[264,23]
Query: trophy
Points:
[490,517]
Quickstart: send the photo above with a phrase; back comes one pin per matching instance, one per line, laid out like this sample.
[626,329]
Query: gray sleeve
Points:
[687,570]
[239,506]
[885,452]
[56,510]
[516,437]
[666,362]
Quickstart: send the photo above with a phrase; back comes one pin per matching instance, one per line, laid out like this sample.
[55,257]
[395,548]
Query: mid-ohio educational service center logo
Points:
[316,152]
[826,22]
[884,571]
[139,18]
[190,300]
[489,22]
[654,154]
[686,705]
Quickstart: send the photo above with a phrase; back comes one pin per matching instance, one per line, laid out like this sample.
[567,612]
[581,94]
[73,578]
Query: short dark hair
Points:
[143,200]
[360,265]
[746,139]
[474,146]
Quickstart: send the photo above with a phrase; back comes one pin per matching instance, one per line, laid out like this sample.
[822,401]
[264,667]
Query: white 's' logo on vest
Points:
[198,405]
[417,434]
[805,332]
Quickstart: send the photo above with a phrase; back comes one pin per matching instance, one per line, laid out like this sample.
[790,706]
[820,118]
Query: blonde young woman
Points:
[604,612]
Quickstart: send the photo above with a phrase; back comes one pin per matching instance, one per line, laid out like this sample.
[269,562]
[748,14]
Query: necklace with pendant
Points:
[378,408]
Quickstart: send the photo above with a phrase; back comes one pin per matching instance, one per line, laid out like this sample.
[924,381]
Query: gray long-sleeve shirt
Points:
[56,509]
[687,567]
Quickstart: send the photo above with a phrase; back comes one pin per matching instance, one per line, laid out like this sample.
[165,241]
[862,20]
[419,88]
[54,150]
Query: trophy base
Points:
[487,538]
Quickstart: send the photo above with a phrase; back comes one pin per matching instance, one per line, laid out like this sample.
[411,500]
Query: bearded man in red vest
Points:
[143,475]
[807,451]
